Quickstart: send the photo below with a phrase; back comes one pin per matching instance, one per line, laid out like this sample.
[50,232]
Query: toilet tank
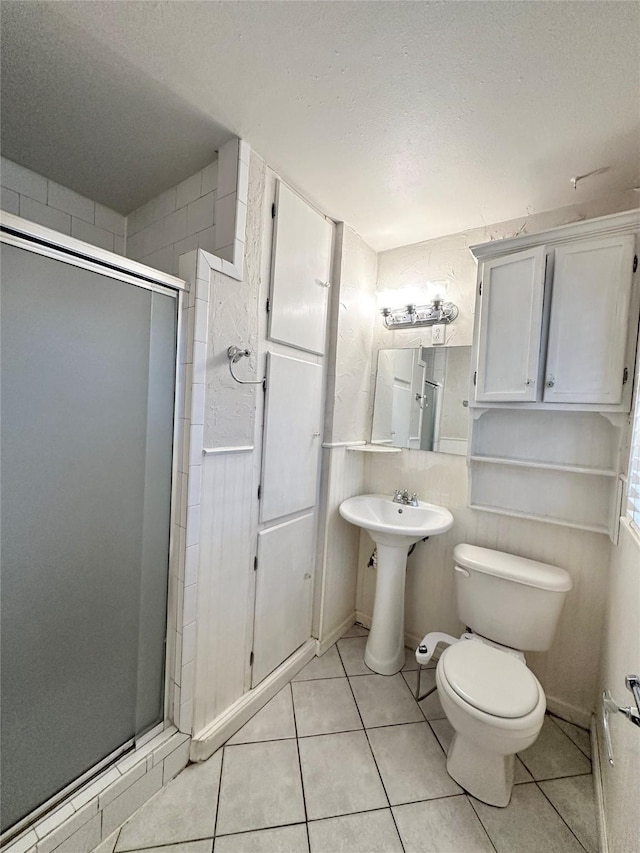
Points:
[511,600]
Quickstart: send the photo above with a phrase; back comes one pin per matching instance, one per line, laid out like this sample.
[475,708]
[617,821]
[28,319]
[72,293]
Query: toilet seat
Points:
[490,680]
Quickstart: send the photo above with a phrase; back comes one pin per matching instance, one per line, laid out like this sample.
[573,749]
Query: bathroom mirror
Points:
[421,399]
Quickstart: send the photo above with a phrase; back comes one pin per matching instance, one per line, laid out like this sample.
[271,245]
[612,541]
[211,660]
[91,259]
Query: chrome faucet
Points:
[402,497]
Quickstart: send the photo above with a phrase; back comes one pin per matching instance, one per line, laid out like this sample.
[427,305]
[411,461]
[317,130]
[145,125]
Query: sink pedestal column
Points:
[385,647]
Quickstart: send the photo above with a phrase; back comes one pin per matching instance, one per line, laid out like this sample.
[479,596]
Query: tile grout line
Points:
[167,845]
[475,811]
[239,832]
[393,817]
[552,717]
[215,823]
[422,711]
[304,798]
[559,814]
[437,738]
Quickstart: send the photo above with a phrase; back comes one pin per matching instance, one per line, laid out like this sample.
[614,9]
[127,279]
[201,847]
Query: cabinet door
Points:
[291,447]
[283,593]
[588,324]
[510,323]
[299,274]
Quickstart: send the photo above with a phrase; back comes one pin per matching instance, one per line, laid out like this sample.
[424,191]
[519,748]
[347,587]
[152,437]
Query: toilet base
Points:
[487,776]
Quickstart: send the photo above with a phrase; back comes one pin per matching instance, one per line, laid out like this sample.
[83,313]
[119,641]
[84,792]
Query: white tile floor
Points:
[345,761]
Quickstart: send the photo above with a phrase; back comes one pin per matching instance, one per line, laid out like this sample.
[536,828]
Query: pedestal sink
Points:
[394,527]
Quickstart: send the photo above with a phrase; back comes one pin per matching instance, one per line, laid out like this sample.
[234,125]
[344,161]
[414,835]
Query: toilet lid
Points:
[491,680]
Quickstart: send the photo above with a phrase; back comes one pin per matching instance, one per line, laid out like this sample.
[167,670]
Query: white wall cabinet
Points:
[284,585]
[296,325]
[300,271]
[588,321]
[554,355]
[292,436]
[582,310]
[510,323]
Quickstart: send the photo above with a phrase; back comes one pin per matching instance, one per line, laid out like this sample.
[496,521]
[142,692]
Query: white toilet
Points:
[493,701]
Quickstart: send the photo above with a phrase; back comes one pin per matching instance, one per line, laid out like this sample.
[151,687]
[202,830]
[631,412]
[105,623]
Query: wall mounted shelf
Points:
[374,448]
[591,528]
[553,466]
[525,463]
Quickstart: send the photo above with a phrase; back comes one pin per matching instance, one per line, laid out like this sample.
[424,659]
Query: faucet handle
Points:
[414,499]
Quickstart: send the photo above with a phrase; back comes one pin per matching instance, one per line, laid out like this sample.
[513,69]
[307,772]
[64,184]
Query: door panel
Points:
[283,592]
[589,317]
[510,327]
[86,467]
[291,447]
[300,273]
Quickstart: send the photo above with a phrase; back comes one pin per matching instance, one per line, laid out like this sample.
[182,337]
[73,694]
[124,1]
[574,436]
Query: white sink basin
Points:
[394,528]
[390,523]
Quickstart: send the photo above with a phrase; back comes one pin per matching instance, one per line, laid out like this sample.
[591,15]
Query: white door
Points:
[283,593]
[401,410]
[291,447]
[300,273]
[510,324]
[418,400]
[588,325]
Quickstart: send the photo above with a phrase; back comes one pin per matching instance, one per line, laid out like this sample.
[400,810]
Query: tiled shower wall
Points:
[36,198]
[179,220]
[175,222]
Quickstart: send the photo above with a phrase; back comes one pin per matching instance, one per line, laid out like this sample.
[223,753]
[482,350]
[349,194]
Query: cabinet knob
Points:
[550,383]
[529,382]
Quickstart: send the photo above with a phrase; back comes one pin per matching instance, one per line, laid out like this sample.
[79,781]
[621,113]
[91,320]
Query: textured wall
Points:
[620,657]
[403,273]
[233,320]
[229,479]
[36,198]
[352,315]
[349,368]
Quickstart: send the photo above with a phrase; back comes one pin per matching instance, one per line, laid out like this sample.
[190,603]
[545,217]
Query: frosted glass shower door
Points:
[88,374]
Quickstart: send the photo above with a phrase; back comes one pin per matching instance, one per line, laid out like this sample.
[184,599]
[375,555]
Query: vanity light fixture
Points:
[437,311]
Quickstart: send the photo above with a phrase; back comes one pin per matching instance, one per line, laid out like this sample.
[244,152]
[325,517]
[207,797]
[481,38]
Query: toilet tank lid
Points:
[513,568]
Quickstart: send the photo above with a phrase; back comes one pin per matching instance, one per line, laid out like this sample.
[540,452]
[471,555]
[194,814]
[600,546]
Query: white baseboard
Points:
[323,645]
[211,738]
[577,716]
[363,619]
[597,785]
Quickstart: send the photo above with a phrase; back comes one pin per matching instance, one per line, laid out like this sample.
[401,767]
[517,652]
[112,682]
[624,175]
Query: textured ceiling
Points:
[408,120]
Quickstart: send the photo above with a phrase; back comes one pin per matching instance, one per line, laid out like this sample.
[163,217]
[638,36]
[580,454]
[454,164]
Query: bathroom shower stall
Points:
[88,411]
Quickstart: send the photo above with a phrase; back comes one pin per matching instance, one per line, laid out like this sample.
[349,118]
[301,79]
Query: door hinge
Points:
[251,659]
[475,377]
[268,305]
[625,376]
[635,263]
[480,289]
[273,211]
[264,384]
[259,491]
[255,564]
